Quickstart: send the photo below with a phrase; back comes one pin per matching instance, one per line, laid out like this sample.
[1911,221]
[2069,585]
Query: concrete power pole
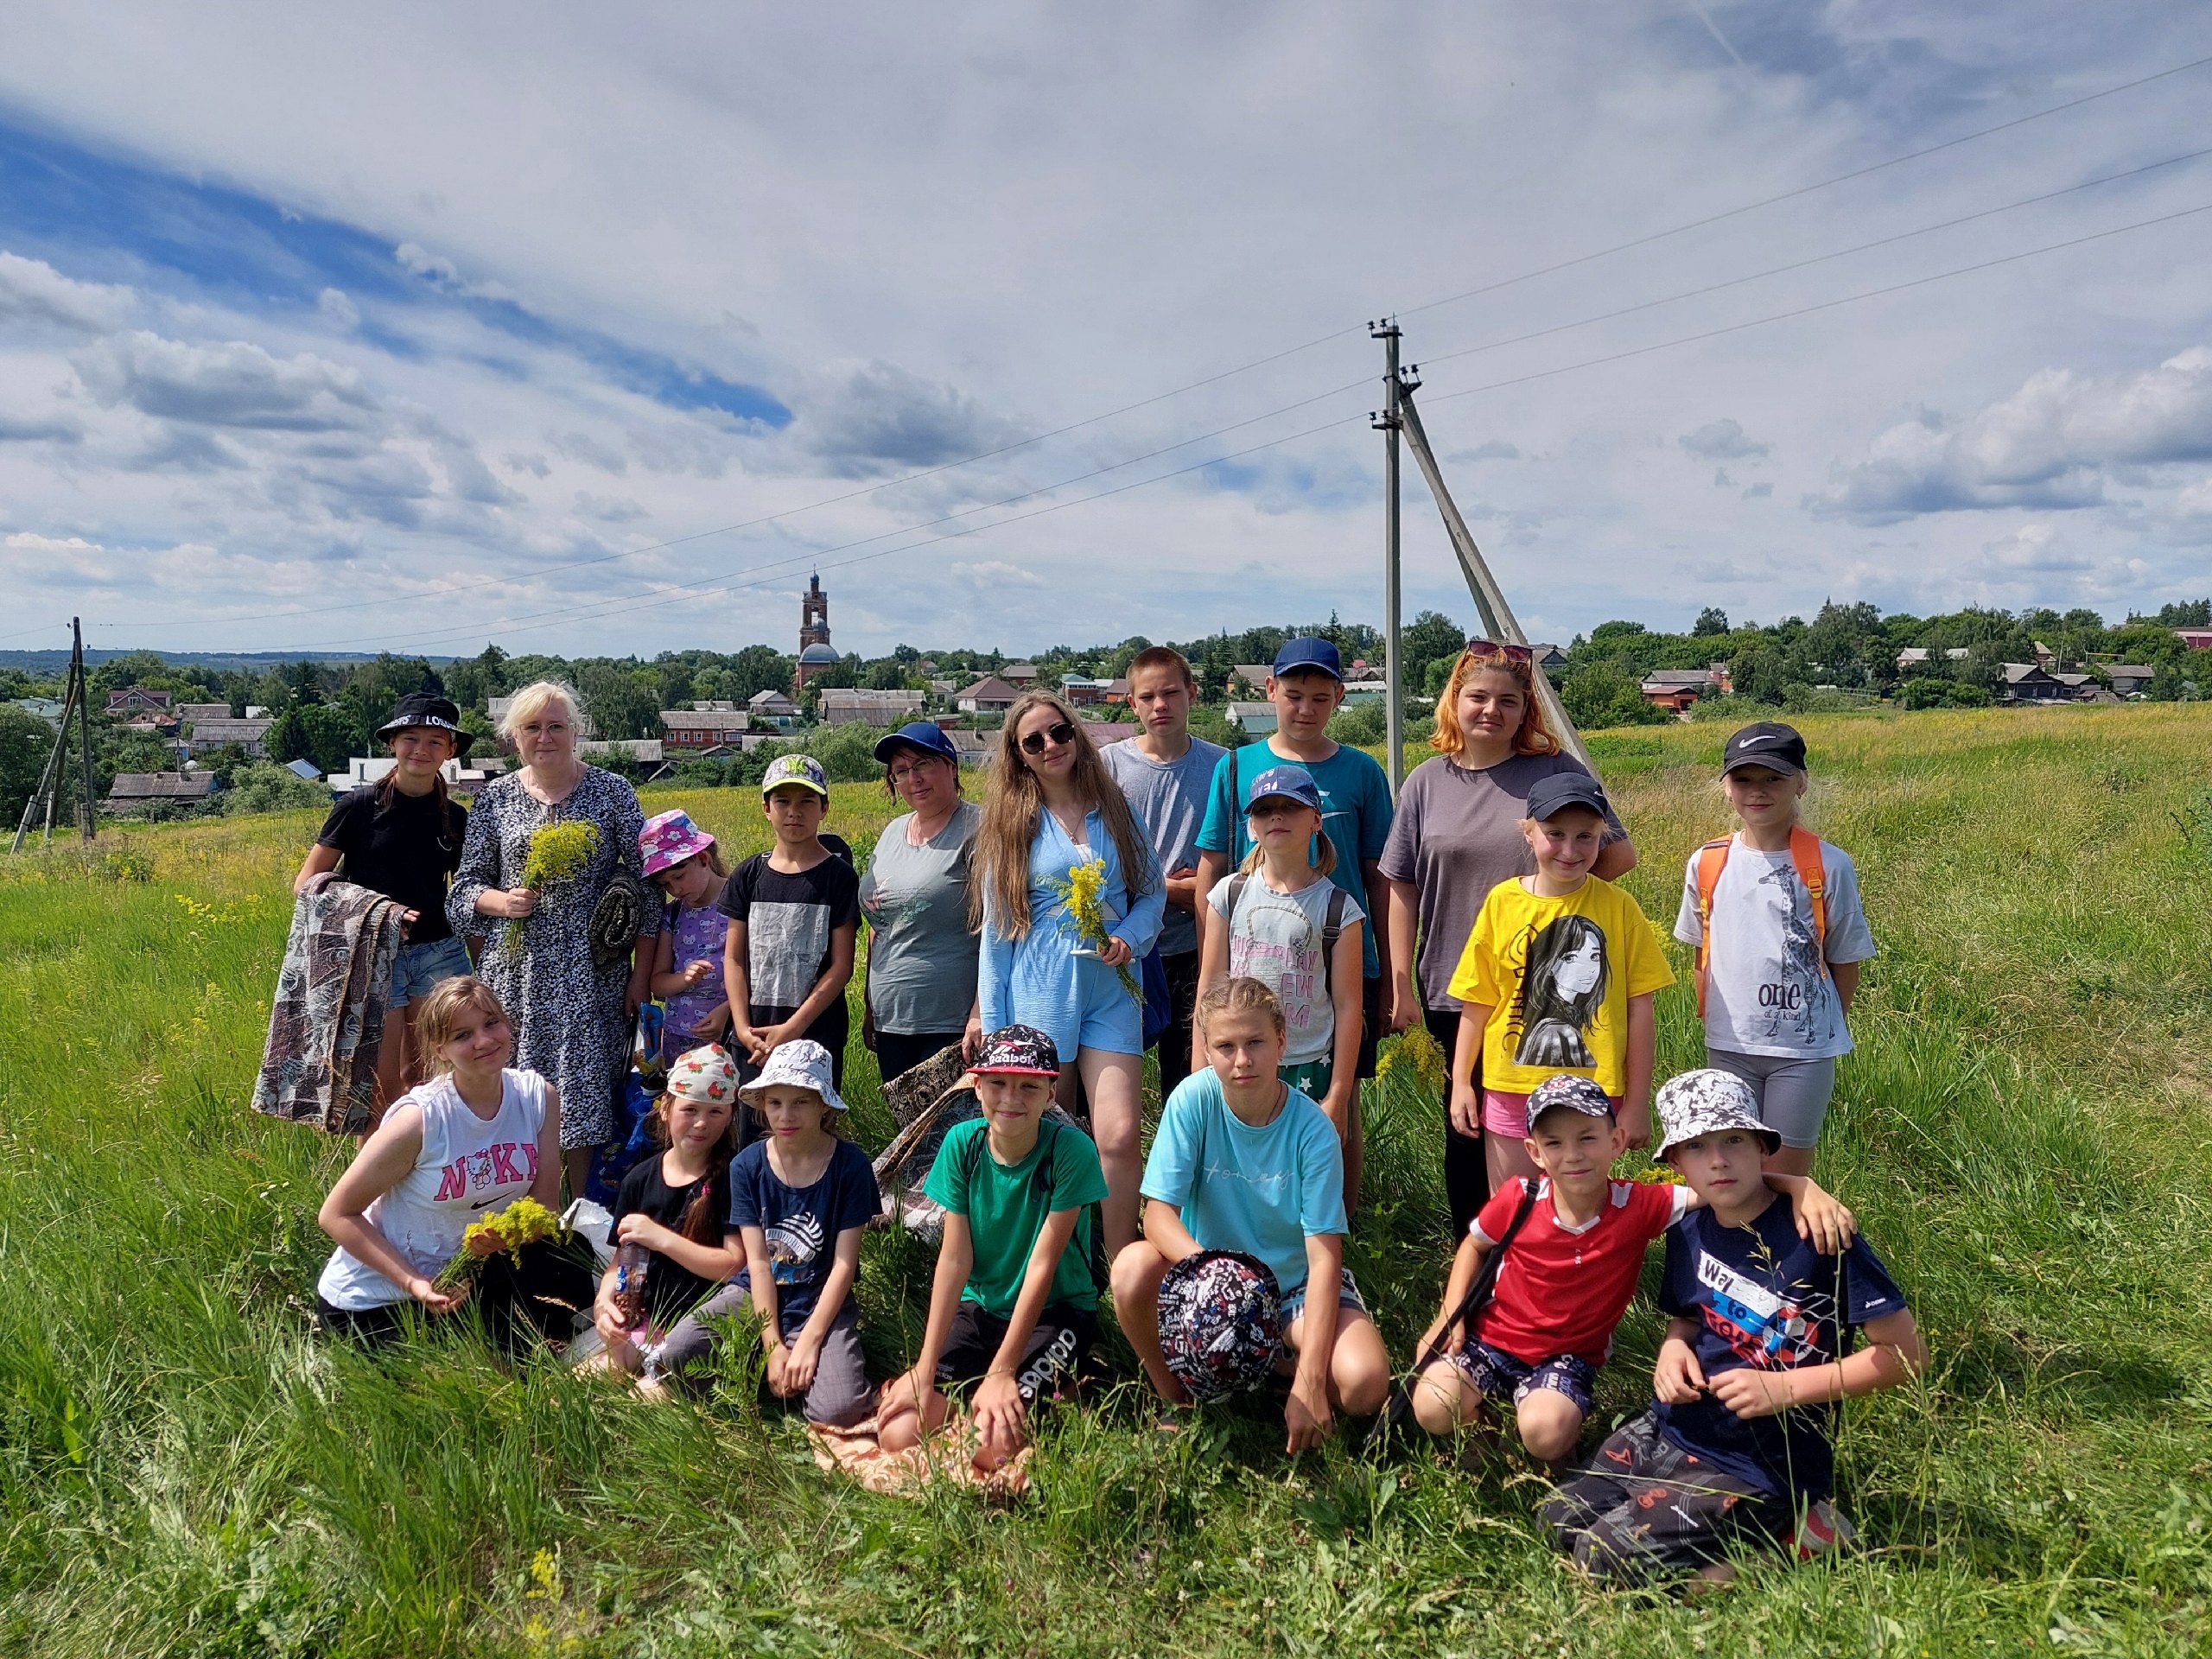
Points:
[1393,656]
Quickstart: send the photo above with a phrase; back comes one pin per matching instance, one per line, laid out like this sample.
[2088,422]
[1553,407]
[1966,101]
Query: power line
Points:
[680,596]
[1816,259]
[1807,189]
[1824,305]
[1260,362]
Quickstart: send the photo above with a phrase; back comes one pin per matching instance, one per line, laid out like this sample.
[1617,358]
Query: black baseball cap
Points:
[1021,1050]
[1766,743]
[1547,796]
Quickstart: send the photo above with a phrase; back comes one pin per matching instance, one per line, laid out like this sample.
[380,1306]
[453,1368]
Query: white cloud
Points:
[231,384]
[2055,442]
[986,574]
[1722,439]
[32,291]
[339,308]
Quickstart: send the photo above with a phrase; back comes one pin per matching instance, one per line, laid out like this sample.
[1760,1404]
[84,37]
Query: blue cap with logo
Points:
[1554,794]
[801,769]
[925,735]
[1309,652]
[1287,783]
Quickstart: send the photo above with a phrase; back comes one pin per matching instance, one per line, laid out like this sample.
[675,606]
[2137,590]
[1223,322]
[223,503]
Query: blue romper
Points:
[1037,981]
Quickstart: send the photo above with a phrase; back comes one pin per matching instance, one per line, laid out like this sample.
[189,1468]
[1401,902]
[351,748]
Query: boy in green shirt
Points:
[1013,1309]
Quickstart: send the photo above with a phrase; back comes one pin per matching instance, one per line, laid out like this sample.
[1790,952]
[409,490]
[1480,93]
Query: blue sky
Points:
[595,334]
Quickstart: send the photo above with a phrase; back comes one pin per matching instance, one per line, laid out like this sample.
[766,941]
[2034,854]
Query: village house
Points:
[133,698]
[2129,679]
[1021,676]
[1252,677]
[771,706]
[702,726]
[989,696]
[1675,688]
[1253,719]
[973,748]
[1102,732]
[463,778]
[210,726]
[2027,683]
[2195,638]
[843,707]
[1920,657]
[1082,692]
[142,791]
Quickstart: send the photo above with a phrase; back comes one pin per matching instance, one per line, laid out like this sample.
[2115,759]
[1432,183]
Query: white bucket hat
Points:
[803,1064]
[1705,1101]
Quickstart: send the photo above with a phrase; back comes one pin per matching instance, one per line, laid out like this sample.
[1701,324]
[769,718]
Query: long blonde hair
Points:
[1012,802]
[1534,737]
[442,1011]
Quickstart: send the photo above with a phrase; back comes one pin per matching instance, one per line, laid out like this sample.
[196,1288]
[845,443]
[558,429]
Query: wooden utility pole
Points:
[88,810]
[1393,725]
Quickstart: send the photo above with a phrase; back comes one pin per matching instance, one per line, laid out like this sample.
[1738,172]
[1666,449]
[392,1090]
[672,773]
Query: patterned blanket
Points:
[327,1022]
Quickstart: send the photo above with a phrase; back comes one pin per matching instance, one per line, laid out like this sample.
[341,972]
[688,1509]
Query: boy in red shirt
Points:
[1567,1277]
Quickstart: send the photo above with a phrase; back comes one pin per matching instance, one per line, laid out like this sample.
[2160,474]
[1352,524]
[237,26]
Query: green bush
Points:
[266,788]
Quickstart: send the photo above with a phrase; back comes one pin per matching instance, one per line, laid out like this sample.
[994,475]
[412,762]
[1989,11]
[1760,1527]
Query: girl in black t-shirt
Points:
[677,1207]
[401,837]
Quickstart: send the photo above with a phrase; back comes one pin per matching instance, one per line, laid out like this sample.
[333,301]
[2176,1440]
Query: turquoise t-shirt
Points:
[1355,816]
[1261,1191]
[1006,1206]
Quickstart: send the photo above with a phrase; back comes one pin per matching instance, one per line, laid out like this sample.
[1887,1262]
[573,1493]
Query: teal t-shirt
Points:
[1355,816]
[1006,1205]
[1262,1190]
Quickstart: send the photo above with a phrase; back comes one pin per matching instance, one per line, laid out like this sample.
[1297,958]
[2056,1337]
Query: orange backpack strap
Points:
[1711,858]
[1805,854]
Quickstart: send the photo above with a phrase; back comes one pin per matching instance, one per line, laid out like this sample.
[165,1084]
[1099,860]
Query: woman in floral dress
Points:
[572,1009]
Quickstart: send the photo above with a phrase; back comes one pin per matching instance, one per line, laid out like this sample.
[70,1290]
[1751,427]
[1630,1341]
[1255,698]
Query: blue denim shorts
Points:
[422,966]
[1498,1375]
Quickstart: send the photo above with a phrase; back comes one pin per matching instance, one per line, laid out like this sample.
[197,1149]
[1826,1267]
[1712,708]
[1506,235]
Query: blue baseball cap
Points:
[1309,652]
[1291,783]
[925,735]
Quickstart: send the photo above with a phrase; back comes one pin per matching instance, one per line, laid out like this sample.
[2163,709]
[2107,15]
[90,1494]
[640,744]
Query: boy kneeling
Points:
[1567,1275]
[1013,1308]
[1737,1447]
[1245,1162]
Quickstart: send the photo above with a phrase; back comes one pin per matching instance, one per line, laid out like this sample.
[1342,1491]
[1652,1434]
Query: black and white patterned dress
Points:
[571,1023]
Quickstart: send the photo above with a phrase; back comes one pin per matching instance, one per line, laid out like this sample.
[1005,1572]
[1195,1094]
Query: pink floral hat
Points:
[668,839]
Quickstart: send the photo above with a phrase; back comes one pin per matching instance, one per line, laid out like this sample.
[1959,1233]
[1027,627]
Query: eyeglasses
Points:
[1521,654]
[1057,732]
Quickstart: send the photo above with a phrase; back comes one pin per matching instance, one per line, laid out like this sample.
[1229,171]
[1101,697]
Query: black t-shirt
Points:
[672,1289]
[404,846]
[789,921]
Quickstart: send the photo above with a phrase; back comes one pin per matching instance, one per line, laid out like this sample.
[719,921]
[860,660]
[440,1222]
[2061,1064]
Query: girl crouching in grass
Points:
[799,1196]
[673,1209]
[461,1147]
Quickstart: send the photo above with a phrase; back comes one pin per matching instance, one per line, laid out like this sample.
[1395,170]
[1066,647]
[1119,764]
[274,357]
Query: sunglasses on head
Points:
[1521,654]
[1057,732]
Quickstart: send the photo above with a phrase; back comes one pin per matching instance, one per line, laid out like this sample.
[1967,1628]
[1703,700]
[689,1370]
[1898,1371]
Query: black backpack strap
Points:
[1332,929]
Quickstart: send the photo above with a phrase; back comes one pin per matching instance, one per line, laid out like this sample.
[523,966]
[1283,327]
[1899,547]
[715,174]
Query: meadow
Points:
[186,1467]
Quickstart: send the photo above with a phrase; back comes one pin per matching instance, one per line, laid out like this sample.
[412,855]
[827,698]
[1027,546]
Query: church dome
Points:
[819,654]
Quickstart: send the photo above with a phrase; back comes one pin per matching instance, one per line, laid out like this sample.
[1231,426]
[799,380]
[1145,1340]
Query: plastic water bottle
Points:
[632,1265]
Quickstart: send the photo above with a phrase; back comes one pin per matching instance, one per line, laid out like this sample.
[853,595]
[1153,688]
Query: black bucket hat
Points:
[427,709]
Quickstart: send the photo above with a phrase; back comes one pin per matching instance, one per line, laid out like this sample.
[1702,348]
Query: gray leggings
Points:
[1793,1094]
[840,1394]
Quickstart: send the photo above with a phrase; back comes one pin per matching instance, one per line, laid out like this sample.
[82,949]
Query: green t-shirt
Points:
[1006,1205]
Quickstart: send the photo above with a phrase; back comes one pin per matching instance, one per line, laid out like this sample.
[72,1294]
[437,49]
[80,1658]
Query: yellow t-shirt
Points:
[1556,975]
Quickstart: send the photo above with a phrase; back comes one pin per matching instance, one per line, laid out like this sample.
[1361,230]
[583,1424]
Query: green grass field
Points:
[186,1468]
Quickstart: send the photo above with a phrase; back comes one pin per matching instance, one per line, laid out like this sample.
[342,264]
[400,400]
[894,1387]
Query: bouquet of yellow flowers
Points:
[524,1222]
[559,853]
[1083,893]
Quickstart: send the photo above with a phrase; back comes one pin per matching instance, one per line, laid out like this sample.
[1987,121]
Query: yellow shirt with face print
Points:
[1557,975]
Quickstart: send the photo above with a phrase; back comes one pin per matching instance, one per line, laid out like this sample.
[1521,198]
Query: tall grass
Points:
[186,1467]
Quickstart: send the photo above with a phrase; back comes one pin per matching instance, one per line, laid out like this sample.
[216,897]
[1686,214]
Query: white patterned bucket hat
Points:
[1705,1101]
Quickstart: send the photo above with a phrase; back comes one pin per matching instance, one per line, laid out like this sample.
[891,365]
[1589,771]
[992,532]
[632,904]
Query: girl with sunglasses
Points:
[1458,835]
[1049,808]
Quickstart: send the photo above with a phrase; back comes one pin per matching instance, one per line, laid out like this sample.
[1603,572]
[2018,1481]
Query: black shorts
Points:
[1372,1022]
[1057,1355]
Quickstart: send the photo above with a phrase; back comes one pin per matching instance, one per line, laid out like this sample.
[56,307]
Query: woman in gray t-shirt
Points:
[920,994]
[1458,835]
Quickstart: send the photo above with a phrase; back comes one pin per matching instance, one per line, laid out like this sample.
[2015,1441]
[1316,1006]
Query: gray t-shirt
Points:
[1171,801]
[1457,836]
[1276,937]
[1765,994]
[921,954]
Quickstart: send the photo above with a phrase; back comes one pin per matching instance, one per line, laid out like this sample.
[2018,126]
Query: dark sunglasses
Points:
[1057,732]
[1521,654]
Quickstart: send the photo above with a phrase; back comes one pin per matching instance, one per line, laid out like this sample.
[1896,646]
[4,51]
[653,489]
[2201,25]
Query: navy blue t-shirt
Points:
[1762,1296]
[802,1224]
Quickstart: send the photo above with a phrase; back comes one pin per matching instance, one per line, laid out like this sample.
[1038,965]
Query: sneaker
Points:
[1824,1527]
